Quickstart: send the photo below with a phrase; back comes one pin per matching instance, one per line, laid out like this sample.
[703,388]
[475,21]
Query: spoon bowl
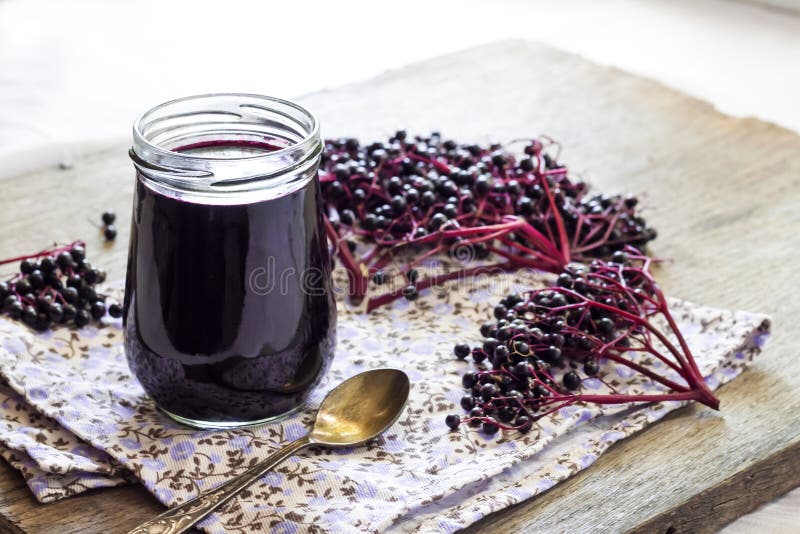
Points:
[360,408]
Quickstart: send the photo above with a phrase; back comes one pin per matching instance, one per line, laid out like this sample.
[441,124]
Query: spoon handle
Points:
[180,518]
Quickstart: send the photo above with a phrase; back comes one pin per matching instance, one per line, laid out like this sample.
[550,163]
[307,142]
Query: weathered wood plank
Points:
[723,192]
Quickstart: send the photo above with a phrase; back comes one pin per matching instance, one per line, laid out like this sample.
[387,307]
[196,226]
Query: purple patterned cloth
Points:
[73,418]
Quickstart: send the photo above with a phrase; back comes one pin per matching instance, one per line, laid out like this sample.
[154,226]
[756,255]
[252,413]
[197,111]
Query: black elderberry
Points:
[478,356]
[564,280]
[504,333]
[68,313]
[29,315]
[523,369]
[10,301]
[347,217]
[591,366]
[78,253]
[556,340]
[380,277]
[486,328]
[115,310]
[52,278]
[474,414]
[619,257]
[501,353]
[522,348]
[489,344]
[98,309]
[110,232]
[526,164]
[23,287]
[482,184]
[572,381]
[359,195]
[64,260]
[469,380]
[82,318]
[15,310]
[43,322]
[452,421]
[410,292]
[490,426]
[488,391]
[506,414]
[370,222]
[27,267]
[87,293]
[524,424]
[36,279]
[467,402]
[70,294]
[605,326]
[437,221]
[552,355]
[109,217]
[450,211]
[461,350]
[43,303]
[55,312]
[525,205]
[399,204]
[47,264]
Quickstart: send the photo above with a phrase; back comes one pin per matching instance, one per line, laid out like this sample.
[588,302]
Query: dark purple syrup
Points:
[229,314]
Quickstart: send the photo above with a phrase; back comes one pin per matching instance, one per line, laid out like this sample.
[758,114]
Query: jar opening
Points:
[226,142]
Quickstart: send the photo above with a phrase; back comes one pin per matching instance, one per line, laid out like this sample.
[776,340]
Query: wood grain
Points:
[722,191]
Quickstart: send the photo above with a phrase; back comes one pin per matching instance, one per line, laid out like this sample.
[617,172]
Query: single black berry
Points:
[410,292]
[27,267]
[469,380]
[15,310]
[452,421]
[29,315]
[82,318]
[115,310]
[110,232]
[490,426]
[591,366]
[109,217]
[461,350]
[572,381]
[98,309]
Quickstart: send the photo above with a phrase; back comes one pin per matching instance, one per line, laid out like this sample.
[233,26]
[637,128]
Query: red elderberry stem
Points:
[358,281]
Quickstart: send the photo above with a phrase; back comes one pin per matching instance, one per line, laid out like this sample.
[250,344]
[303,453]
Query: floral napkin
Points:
[73,418]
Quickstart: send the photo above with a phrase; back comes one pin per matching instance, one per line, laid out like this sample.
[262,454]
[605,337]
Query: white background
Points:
[73,74]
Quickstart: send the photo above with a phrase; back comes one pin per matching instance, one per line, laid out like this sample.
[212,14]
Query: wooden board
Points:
[723,192]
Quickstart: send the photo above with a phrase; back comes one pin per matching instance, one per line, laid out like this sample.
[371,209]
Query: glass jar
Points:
[229,314]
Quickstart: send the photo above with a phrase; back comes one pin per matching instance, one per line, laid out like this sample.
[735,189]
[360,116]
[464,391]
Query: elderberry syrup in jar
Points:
[229,314]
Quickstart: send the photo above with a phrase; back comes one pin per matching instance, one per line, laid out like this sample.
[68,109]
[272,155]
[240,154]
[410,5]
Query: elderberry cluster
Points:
[57,289]
[543,344]
[405,189]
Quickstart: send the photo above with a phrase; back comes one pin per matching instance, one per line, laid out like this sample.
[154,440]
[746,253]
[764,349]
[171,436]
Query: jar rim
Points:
[236,120]
[138,134]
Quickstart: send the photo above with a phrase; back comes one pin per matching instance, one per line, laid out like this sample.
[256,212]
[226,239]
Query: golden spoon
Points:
[354,412]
